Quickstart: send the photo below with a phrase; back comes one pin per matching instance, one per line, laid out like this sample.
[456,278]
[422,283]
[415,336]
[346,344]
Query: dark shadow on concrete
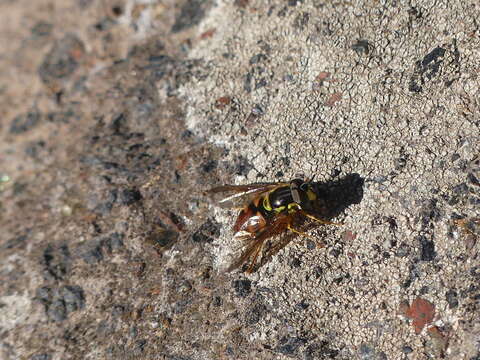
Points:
[335,196]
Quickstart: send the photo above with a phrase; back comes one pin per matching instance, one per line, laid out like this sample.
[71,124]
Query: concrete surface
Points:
[117,115]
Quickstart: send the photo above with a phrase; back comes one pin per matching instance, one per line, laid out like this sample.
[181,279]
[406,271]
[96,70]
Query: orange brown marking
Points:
[256,224]
[256,201]
[243,217]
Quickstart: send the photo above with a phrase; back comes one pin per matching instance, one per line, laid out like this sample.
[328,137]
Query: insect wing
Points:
[254,244]
[237,195]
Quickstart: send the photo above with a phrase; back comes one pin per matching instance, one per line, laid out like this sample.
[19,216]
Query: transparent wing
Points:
[254,244]
[237,195]
[258,249]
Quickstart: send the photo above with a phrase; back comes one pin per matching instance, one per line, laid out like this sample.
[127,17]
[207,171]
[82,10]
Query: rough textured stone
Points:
[118,118]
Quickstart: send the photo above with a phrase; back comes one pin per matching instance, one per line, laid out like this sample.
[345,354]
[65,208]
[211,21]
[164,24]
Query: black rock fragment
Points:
[242,287]
[56,262]
[290,345]
[130,196]
[62,60]
[25,122]
[191,13]
[60,302]
[452,298]
[207,232]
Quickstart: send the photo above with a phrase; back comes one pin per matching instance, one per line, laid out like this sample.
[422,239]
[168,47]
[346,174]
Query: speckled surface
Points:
[116,116]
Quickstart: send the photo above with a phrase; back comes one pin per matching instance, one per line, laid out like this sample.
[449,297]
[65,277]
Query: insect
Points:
[267,210]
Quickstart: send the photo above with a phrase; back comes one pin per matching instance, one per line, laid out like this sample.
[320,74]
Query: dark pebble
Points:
[229,351]
[166,238]
[257,58]
[117,10]
[25,122]
[105,24]
[34,149]
[207,232]
[301,20]
[130,196]
[406,284]
[104,208]
[366,352]
[91,252]
[42,29]
[133,332]
[475,201]
[381,356]
[56,262]
[289,346]
[311,245]
[119,124]
[302,305]
[455,157]
[113,241]
[403,250]
[57,311]
[105,328]
[140,345]
[217,301]
[242,287]
[43,356]
[184,287]
[260,83]
[181,306]
[242,166]
[60,302]
[320,351]
[460,189]
[282,12]
[247,82]
[19,187]
[62,60]
[191,14]
[475,272]
[255,313]
[335,252]
[338,280]
[118,310]
[473,179]
[407,350]
[296,263]
[362,47]
[424,290]
[44,294]
[187,134]
[73,297]
[60,117]
[17,241]
[209,166]
[427,248]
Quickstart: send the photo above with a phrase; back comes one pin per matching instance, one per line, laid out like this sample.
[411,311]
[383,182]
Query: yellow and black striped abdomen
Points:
[278,200]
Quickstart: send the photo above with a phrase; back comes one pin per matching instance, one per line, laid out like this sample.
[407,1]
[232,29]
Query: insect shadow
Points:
[334,197]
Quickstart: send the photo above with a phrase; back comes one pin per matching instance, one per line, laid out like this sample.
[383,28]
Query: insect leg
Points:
[289,227]
[321,221]
[317,241]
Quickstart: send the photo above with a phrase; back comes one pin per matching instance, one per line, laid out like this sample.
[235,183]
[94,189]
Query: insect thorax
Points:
[278,200]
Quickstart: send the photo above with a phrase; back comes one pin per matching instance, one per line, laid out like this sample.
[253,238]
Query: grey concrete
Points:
[117,117]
